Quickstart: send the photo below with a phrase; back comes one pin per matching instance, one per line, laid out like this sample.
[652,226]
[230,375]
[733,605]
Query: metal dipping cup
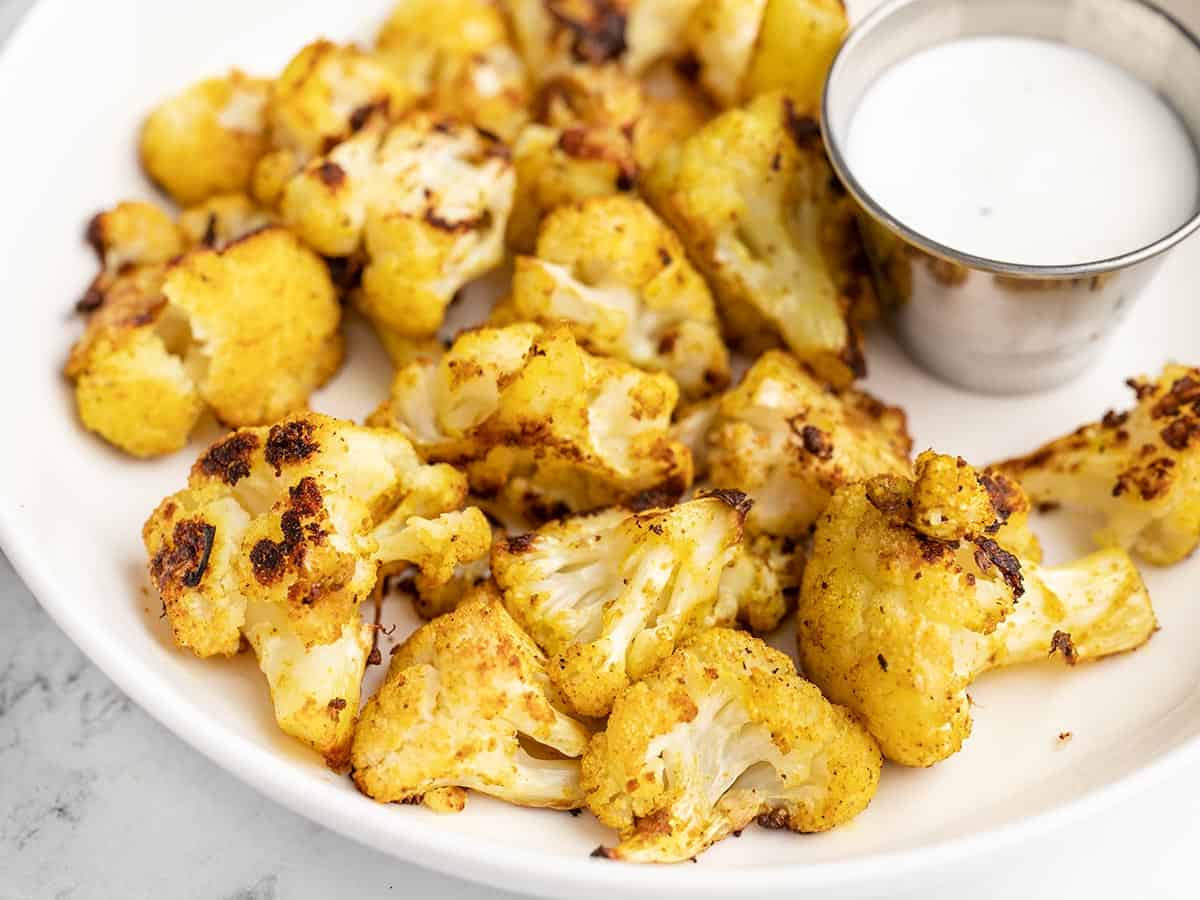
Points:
[990,326]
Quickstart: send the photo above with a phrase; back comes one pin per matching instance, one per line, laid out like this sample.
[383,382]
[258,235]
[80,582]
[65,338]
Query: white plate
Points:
[74,84]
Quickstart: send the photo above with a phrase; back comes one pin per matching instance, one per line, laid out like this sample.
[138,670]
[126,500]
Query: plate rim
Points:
[478,859]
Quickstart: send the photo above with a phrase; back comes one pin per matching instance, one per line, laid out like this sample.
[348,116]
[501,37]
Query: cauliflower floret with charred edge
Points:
[468,704]
[609,595]
[619,278]
[753,199]
[325,94]
[1139,469]
[912,590]
[789,440]
[220,220]
[557,166]
[540,426]
[207,140]
[722,734]
[427,199]
[280,535]
[721,35]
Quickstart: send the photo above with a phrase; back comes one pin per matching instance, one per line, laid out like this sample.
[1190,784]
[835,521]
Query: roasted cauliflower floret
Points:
[910,593]
[609,595]
[789,440]
[1139,469]
[280,535]
[249,332]
[723,733]
[553,35]
[468,704]
[131,234]
[426,199]
[457,57]
[208,139]
[420,35]
[764,578]
[795,47]
[538,424]
[752,196]
[325,93]
[619,278]
[557,166]
[721,35]
[223,219]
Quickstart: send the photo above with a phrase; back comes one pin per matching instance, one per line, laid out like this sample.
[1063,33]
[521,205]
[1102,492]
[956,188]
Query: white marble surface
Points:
[99,801]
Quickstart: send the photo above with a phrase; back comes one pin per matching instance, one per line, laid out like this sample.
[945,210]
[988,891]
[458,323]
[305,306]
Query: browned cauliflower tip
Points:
[790,440]
[723,733]
[1138,469]
[425,199]
[539,425]
[610,595]
[914,588]
[468,704]
[618,277]
[757,205]
[278,538]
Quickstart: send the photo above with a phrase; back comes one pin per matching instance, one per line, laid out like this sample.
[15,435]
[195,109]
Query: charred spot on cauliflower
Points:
[468,704]
[538,424]
[790,440]
[207,140]
[609,595]
[619,278]
[280,535]
[427,199]
[906,599]
[1139,469]
[751,195]
[723,733]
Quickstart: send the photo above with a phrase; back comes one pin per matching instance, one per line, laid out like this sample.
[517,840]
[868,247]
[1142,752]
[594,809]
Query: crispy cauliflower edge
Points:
[913,589]
[722,734]
[468,704]
[610,595]
[1139,469]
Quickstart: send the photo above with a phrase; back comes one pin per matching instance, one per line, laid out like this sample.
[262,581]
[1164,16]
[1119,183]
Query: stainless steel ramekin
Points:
[983,324]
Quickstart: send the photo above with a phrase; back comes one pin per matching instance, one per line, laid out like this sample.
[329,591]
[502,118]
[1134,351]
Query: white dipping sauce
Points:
[1024,151]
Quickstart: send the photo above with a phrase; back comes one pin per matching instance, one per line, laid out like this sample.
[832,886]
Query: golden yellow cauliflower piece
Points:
[278,538]
[673,109]
[540,425]
[325,93]
[721,35]
[796,44]
[552,35]
[427,199]
[618,277]
[764,577]
[722,734]
[223,219]
[249,331]
[609,595]
[456,55]
[1139,469]
[464,697]
[420,35]
[557,166]
[208,139]
[790,441]
[895,622]
[752,196]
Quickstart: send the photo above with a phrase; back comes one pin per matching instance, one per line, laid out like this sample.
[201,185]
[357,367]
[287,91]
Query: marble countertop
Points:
[97,800]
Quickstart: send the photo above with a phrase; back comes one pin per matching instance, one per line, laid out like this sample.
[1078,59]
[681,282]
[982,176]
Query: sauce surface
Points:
[1024,151]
